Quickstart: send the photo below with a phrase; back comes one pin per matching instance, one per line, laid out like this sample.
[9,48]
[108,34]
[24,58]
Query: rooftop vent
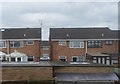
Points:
[24,35]
[67,35]
[102,34]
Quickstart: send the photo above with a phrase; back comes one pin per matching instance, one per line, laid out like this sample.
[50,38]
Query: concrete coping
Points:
[50,64]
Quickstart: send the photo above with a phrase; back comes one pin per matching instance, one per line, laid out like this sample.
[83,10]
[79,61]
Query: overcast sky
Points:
[58,14]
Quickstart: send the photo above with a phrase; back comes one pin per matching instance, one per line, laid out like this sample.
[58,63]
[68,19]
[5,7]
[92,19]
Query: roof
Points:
[83,33]
[17,54]
[86,77]
[26,64]
[45,43]
[97,54]
[21,33]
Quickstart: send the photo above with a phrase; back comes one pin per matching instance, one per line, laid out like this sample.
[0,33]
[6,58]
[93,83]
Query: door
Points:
[74,59]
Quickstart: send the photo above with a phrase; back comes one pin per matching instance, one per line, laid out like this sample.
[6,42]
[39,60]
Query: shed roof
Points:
[21,33]
[97,54]
[17,54]
[86,77]
[83,33]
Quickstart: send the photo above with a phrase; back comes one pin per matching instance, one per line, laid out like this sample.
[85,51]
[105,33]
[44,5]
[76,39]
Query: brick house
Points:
[23,40]
[97,45]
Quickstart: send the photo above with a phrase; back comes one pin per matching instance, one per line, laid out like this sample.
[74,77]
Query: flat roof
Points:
[86,77]
[97,54]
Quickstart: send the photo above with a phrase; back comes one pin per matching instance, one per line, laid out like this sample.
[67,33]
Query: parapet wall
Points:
[46,71]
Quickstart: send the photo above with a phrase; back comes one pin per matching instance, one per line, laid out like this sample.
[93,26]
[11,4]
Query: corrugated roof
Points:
[86,77]
[83,33]
[21,33]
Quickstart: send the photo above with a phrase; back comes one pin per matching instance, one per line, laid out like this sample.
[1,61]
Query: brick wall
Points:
[57,50]
[45,51]
[87,69]
[30,50]
[26,73]
[106,48]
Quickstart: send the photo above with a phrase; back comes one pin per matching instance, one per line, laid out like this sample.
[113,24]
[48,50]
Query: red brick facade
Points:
[29,50]
[57,50]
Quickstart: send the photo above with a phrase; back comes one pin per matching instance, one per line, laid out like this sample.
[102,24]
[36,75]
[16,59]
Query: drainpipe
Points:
[8,49]
[86,49]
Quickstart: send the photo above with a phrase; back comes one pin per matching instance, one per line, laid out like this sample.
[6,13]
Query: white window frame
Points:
[28,43]
[45,47]
[62,43]
[64,57]
[21,44]
[4,42]
[81,44]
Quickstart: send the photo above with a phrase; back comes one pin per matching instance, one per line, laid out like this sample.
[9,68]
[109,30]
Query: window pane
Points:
[2,44]
[81,58]
[45,48]
[16,44]
[109,42]
[76,44]
[30,58]
[12,59]
[94,61]
[62,43]
[94,44]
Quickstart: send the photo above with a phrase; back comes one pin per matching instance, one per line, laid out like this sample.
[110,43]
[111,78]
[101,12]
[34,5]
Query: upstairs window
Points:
[62,43]
[16,44]
[2,44]
[109,42]
[76,44]
[30,42]
[94,44]
[45,47]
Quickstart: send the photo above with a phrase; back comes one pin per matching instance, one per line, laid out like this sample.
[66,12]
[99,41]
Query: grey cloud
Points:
[63,14]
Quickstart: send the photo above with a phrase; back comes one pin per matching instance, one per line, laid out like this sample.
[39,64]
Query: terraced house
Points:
[96,45]
[18,43]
